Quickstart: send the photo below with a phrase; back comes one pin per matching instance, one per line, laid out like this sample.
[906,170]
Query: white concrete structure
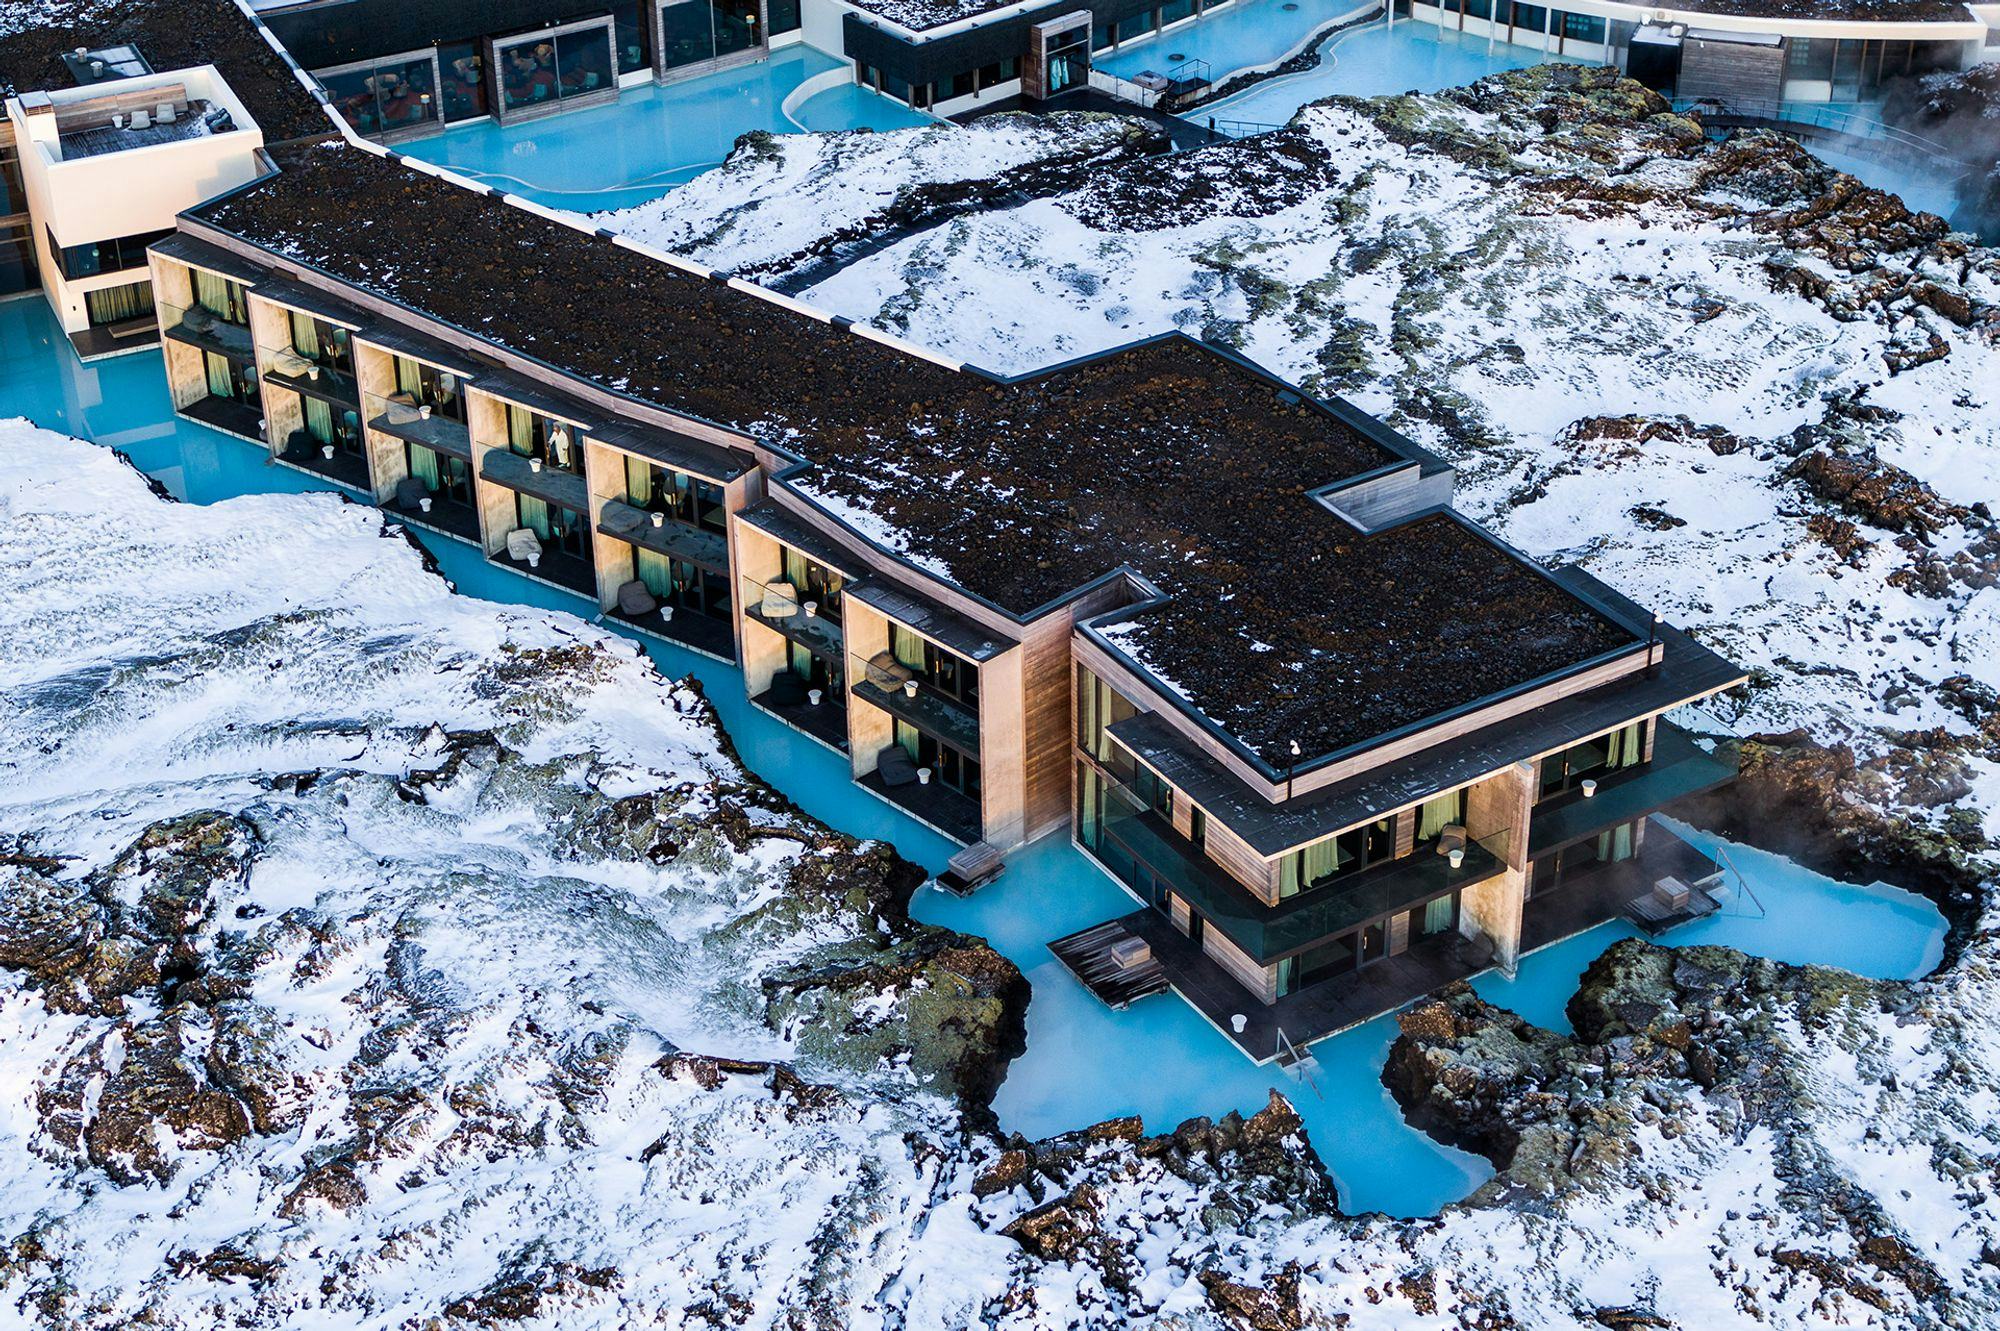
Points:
[106,169]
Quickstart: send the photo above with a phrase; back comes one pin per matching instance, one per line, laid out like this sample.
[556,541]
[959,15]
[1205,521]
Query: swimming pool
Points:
[1083,1063]
[654,138]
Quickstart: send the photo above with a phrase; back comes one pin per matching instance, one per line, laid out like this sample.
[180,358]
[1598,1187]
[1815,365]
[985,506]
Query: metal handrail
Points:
[1742,880]
[1298,1063]
[1844,118]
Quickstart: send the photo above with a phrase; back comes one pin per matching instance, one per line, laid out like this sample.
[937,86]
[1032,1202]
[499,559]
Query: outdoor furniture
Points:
[636,598]
[787,689]
[142,120]
[411,493]
[293,365]
[523,544]
[781,601]
[972,868]
[885,672]
[402,410]
[1451,837]
[895,766]
[1672,893]
[299,443]
[1129,952]
[165,113]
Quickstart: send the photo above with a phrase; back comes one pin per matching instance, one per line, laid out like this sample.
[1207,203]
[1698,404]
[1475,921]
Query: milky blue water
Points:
[1239,36]
[1083,1063]
[1374,61]
[654,138]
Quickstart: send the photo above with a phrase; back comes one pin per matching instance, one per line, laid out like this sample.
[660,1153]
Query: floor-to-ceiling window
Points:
[428,386]
[1594,758]
[228,378]
[388,96]
[558,528]
[462,75]
[676,494]
[693,32]
[117,305]
[1323,862]
[542,70]
[534,435]
[447,478]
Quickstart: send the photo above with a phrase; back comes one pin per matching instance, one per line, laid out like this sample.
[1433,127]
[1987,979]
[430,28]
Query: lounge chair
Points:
[1451,837]
[141,120]
[895,766]
[165,113]
[781,601]
[885,672]
[635,598]
[524,545]
[787,689]
[411,493]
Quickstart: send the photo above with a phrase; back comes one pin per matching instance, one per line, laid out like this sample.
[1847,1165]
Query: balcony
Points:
[896,690]
[202,328]
[243,419]
[1583,896]
[664,535]
[402,419]
[1266,932]
[1677,769]
[954,814]
[781,608]
[290,370]
[550,484]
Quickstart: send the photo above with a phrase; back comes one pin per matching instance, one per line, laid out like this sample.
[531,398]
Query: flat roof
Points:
[170,34]
[1686,671]
[1169,459]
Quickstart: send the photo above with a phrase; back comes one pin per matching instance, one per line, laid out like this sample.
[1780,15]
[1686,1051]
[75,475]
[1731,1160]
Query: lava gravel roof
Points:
[1167,458]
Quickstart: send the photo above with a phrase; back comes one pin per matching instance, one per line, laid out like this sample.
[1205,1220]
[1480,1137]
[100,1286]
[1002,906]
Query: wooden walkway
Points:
[1087,954]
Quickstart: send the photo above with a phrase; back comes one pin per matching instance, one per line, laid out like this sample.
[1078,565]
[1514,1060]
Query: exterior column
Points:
[1496,816]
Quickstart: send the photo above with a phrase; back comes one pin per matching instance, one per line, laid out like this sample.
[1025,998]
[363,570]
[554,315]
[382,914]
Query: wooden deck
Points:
[1088,956]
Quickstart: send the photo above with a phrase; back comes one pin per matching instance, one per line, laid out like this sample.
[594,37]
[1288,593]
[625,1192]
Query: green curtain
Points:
[1440,813]
[908,647]
[219,296]
[1088,731]
[424,466]
[520,430]
[639,482]
[1615,844]
[1624,748]
[1437,916]
[319,418]
[220,382]
[115,305]
[906,735]
[795,569]
[534,515]
[305,336]
[657,572]
[1302,868]
[410,378]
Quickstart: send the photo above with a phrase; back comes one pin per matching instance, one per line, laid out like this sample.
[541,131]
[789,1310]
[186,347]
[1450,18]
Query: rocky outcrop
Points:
[1669,1042]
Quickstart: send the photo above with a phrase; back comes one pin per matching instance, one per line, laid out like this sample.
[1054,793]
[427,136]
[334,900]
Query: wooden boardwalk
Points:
[1088,956]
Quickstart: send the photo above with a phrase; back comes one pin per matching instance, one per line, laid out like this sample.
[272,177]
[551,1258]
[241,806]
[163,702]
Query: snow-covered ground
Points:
[1641,349]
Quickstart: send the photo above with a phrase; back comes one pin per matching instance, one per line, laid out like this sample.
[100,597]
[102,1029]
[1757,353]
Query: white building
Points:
[106,167]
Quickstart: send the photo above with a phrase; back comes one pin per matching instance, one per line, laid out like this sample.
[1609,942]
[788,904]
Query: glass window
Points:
[964,85]
[103,256]
[13,194]
[557,526]
[446,477]
[815,582]
[534,435]
[428,386]
[783,15]
[634,33]
[463,69]
[687,33]
[1098,708]
[117,305]
[1349,852]
[17,258]
[322,343]
[1434,815]
[1176,10]
[1582,28]
[552,66]
[220,297]
[1104,37]
[735,26]
[385,96]
[1531,17]
[680,496]
[1593,758]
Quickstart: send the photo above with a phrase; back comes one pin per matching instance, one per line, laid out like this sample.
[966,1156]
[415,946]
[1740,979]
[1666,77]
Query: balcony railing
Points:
[405,420]
[551,484]
[664,535]
[1270,932]
[1677,769]
[288,369]
[893,687]
[201,327]
[782,607]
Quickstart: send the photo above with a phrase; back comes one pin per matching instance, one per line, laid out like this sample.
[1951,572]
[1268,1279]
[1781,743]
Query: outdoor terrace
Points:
[1169,458]
[170,34]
